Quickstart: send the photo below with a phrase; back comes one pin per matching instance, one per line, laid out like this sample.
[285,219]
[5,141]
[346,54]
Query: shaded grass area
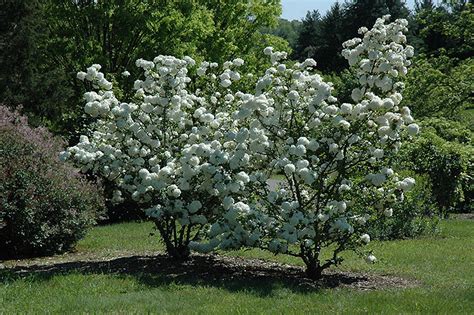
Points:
[443,266]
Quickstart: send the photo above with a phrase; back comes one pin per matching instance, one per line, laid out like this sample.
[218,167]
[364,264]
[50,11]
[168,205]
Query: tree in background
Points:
[363,12]
[331,34]
[65,36]
[285,29]
[440,87]
[23,79]
[440,83]
[424,5]
[305,44]
[14,47]
[445,29]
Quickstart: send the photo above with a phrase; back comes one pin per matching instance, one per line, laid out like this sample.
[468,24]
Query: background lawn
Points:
[443,266]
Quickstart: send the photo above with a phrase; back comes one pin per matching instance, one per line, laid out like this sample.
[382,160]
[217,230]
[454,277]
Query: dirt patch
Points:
[233,273]
[462,216]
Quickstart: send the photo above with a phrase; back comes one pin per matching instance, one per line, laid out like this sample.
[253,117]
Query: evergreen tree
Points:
[308,36]
[421,5]
[330,36]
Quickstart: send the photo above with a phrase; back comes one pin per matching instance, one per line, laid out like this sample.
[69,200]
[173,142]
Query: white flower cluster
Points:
[322,148]
[203,157]
[174,151]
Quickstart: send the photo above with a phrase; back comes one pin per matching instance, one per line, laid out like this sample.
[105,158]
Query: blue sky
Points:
[296,9]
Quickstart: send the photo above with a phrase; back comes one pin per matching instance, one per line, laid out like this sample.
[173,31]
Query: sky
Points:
[296,9]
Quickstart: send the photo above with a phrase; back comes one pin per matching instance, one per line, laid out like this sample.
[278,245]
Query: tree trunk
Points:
[179,253]
[314,270]
[176,249]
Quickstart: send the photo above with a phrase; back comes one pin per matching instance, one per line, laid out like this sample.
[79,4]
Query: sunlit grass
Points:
[443,265]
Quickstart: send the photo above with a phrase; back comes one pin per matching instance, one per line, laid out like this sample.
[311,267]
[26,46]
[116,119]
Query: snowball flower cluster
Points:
[322,148]
[171,149]
[198,154]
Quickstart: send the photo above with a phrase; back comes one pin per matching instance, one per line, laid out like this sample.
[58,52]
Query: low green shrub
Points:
[416,215]
[413,215]
[444,153]
[45,204]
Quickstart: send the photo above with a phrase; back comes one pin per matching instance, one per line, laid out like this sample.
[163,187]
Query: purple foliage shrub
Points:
[46,206]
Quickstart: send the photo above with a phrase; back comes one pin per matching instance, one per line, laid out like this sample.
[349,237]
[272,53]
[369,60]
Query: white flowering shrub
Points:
[329,153]
[166,148]
[198,155]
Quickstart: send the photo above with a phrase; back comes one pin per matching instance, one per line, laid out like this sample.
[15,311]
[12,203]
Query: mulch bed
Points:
[462,216]
[232,273]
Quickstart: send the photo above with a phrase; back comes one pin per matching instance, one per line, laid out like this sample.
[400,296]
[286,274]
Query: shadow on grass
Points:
[258,277]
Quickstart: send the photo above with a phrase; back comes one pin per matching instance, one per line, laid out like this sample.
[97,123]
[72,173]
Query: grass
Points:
[443,265]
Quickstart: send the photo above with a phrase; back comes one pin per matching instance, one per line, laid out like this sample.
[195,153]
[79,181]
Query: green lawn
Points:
[442,265]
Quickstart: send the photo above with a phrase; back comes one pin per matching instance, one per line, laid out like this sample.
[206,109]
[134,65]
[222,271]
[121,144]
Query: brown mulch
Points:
[232,273]
[462,216]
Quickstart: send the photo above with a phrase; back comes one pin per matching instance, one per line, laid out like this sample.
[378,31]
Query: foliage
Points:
[414,216]
[344,83]
[197,152]
[446,161]
[449,130]
[285,29]
[121,212]
[438,87]
[213,29]
[445,29]
[114,33]
[46,206]
[23,78]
